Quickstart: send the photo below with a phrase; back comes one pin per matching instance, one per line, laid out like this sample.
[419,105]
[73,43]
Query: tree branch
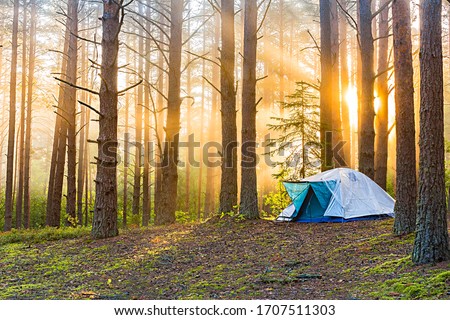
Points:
[77,87]
[129,88]
[90,107]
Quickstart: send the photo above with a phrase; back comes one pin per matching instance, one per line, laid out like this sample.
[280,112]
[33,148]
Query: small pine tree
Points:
[299,140]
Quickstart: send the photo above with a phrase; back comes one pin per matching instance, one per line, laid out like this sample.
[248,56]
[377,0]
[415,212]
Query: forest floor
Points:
[220,259]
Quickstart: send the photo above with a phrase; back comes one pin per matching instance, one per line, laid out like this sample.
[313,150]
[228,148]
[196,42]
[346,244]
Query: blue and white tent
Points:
[337,195]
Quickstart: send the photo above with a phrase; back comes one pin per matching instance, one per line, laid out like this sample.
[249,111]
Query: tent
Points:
[337,195]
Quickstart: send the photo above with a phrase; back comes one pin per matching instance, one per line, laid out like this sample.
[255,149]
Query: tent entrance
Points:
[310,199]
[311,207]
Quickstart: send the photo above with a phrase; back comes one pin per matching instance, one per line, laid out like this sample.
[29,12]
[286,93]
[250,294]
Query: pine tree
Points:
[432,242]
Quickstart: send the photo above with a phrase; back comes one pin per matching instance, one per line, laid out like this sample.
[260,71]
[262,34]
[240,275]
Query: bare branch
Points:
[203,57]
[384,6]
[215,5]
[315,42]
[262,78]
[384,37]
[90,107]
[77,87]
[129,88]
[212,85]
[264,16]
[348,15]
[85,39]
[384,71]
[199,27]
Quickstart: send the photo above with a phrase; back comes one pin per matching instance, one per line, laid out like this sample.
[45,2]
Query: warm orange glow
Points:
[351,97]
[377,103]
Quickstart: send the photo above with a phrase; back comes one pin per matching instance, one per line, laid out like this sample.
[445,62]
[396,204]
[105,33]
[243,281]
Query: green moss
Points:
[391,266]
[413,286]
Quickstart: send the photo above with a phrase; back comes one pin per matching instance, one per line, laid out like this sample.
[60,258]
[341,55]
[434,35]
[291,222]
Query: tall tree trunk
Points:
[83,139]
[211,170]
[189,105]
[31,67]
[138,123]
[346,127]
[338,159]
[80,165]
[126,154]
[406,186]
[59,169]
[21,142]
[159,125]
[431,242]
[381,120]
[12,122]
[87,175]
[200,171]
[367,131]
[71,111]
[202,142]
[105,212]
[56,176]
[228,182]
[146,183]
[326,85]
[165,214]
[249,191]
[358,82]
[51,219]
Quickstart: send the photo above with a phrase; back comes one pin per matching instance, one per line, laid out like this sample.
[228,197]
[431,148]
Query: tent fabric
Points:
[339,193]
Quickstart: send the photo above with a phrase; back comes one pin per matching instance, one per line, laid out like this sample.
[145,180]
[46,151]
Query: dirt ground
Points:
[225,259]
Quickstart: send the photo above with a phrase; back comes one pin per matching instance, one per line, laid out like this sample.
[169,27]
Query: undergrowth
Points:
[42,235]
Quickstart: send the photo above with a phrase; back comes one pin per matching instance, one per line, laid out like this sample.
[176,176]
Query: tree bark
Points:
[338,159]
[138,123]
[12,122]
[105,212]
[146,177]
[189,105]
[200,171]
[82,139]
[31,67]
[165,213]
[56,176]
[326,86]
[21,142]
[228,182]
[346,127]
[431,243]
[367,131]
[159,125]
[249,192]
[71,111]
[381,120]
[87,176]
[406,186]
[126,154]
